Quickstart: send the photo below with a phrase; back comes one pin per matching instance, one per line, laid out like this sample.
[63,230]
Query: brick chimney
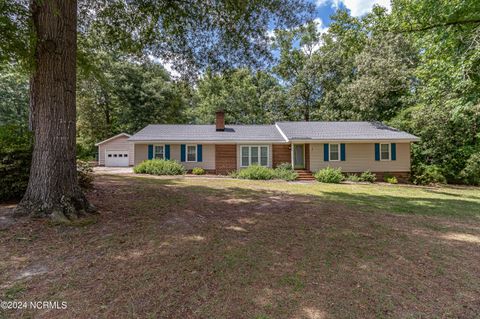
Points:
[220,121]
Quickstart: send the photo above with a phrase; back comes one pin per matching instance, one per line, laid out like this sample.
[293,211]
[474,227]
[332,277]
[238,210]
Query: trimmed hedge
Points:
[329,175]
[256,172]
[390,179]
[285,171]
[368,176]
[160,167]
[353,178]
[198,171]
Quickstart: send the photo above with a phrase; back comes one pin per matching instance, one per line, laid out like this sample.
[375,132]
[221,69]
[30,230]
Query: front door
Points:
[298,156]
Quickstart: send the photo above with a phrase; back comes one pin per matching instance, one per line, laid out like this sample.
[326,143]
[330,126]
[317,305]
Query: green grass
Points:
[293,280]
[15,291]
[181,247]
[453,201]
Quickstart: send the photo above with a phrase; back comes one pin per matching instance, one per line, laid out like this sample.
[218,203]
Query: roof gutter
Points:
[205,142]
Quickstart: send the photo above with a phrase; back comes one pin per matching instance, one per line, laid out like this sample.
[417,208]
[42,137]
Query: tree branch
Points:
[438,25]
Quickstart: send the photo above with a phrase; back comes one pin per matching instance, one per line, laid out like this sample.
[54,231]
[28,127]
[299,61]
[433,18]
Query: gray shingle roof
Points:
[342,131]
[167,132]
[323,131]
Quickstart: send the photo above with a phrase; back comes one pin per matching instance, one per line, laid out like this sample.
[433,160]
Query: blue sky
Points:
[324,9]
[357,7]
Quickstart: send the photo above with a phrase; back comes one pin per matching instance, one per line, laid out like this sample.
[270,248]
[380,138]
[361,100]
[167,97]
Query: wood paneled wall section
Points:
[225,158]
[281,154]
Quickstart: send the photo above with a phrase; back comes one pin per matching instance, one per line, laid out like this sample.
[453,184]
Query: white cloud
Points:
[321,27]
[167,65]
[356,7]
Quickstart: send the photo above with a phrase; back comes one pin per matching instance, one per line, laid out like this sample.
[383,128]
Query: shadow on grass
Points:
[239,249]
[456,207]
[437,192]
[461,208]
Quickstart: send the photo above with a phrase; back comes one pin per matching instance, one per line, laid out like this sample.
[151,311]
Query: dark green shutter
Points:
[325,152]
[182,153]
[150,152]
[394,151]
[167,151]
[199,152]
[377,151]
[342,152]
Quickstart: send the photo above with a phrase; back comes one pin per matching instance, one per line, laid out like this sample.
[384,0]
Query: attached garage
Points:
[116,158]
[116,151]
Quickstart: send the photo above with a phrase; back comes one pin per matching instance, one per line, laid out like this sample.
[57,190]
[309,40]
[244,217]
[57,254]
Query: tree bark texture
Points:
[53,189]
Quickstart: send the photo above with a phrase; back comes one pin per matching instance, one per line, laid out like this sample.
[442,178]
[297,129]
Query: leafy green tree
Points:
[368,74]
[13,96]
[246,97]
[300,68]
[192,33]
[125,97]
[145,94]
[446,114]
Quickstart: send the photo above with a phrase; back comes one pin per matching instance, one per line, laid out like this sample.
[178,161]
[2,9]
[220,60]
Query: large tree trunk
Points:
[53,189]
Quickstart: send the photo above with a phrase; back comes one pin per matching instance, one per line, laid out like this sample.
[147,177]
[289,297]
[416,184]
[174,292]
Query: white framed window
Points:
[253,154]
[334,152]
[159,151]
[384,152]
[245,154]
[264,155]
[191,153]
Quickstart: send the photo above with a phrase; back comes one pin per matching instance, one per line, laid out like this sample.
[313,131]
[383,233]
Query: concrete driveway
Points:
[112,170]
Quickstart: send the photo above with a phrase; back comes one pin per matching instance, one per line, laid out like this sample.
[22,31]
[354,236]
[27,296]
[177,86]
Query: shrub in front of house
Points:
[160,167]
[233,174]
[368,177]
[285,166]
[329,175]
[390,179]
[285,171]
[353,178]
[427,174]
[256,172]
[198,171]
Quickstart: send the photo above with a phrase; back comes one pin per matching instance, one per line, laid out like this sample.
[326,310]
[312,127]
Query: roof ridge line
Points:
[281,132]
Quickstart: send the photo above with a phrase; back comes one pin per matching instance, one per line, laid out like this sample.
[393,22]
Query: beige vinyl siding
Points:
[141,153]
[208,156]
[270,158]
[361,157]
[120,143]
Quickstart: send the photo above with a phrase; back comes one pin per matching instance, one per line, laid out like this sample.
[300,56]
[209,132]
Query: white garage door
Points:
[116,158]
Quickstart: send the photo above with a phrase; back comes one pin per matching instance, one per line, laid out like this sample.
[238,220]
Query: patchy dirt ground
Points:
[165,248]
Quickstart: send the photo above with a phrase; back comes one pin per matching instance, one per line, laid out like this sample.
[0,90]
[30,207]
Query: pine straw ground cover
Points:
[221,248]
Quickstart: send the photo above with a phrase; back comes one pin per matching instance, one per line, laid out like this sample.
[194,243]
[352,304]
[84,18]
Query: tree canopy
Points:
[416,68]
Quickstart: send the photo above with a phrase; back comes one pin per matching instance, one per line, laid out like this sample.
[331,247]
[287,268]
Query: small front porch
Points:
[300,159]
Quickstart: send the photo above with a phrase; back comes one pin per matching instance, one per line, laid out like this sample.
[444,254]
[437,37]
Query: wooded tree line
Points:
[416,68]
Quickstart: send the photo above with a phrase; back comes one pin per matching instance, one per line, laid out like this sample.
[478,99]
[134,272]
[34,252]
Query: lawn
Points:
[223,248]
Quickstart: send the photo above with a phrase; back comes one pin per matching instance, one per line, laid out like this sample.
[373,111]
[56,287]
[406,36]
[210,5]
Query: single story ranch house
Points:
[309,146]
